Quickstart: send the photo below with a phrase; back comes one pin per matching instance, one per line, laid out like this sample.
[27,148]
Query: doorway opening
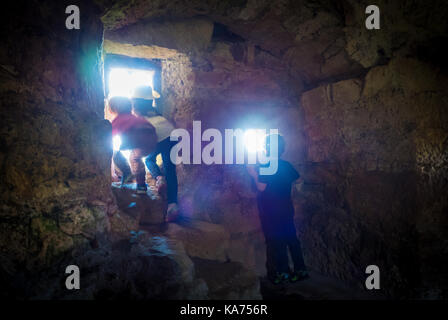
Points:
[122,75]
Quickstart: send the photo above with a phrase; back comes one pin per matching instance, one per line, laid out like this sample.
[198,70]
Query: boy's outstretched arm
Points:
[253,172]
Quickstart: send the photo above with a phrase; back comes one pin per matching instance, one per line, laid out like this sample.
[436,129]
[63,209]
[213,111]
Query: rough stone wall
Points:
[55,190]
[57,207]
[376,161]
[375,171]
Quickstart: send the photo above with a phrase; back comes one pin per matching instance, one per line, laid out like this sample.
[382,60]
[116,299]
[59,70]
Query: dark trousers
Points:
[164,148]
[280,236]
[277,255]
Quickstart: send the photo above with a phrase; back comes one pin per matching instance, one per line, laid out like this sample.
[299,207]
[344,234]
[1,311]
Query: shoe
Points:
[142,189]
[172,213]
[281,277]
[299,276]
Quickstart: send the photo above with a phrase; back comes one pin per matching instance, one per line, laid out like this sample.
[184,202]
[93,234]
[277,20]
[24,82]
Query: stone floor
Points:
[228,279]
[317,287]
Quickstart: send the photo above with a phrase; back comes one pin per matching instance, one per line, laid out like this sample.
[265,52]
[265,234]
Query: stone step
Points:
[227,280]
[201,239]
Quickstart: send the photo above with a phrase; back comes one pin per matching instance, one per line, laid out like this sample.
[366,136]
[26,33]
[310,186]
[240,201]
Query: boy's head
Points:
[142,107]
[120,105]
[280,144]
[276,144]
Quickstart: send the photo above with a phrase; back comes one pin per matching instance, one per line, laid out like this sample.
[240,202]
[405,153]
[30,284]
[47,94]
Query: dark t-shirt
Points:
[274,203]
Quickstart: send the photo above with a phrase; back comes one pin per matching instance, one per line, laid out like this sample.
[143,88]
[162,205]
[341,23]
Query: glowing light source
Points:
[254,140]
[123,81]
[116,141]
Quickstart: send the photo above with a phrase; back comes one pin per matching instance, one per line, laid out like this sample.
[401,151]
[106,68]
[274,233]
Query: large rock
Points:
[201,239]
[141,51]
[138,268]
[143,208]
[228,280]
[181,35]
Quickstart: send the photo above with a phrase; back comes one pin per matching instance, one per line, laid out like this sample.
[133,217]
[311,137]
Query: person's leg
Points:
[151,163]
[122,164]
[270,252]
[281,255]
[170,170]
[300,271]
[281,261]
[296,254]
[294,247]
[276,226]
[293,244]
[270,260]
[138,168]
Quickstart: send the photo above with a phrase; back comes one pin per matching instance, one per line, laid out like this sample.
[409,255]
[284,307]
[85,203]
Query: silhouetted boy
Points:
[276,212]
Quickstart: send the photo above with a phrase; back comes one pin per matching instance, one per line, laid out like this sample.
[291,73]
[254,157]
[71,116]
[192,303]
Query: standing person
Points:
[276,213]
[131,133]
[143,101]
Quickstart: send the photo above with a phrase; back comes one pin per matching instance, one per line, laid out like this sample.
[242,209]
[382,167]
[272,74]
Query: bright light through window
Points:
[117,144]
[123,81]
[116,140]
[254,140]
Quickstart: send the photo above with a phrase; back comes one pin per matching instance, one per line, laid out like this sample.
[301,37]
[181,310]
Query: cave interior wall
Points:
[363,113]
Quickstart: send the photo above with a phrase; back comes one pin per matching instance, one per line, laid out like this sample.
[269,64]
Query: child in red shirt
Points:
[136,134]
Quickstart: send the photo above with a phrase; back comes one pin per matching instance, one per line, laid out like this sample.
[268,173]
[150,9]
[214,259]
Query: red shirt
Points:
[135,132]
[124,122]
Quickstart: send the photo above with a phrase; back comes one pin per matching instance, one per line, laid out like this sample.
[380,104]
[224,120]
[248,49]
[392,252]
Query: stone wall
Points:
[55,190]
[57,206]
[375,150]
